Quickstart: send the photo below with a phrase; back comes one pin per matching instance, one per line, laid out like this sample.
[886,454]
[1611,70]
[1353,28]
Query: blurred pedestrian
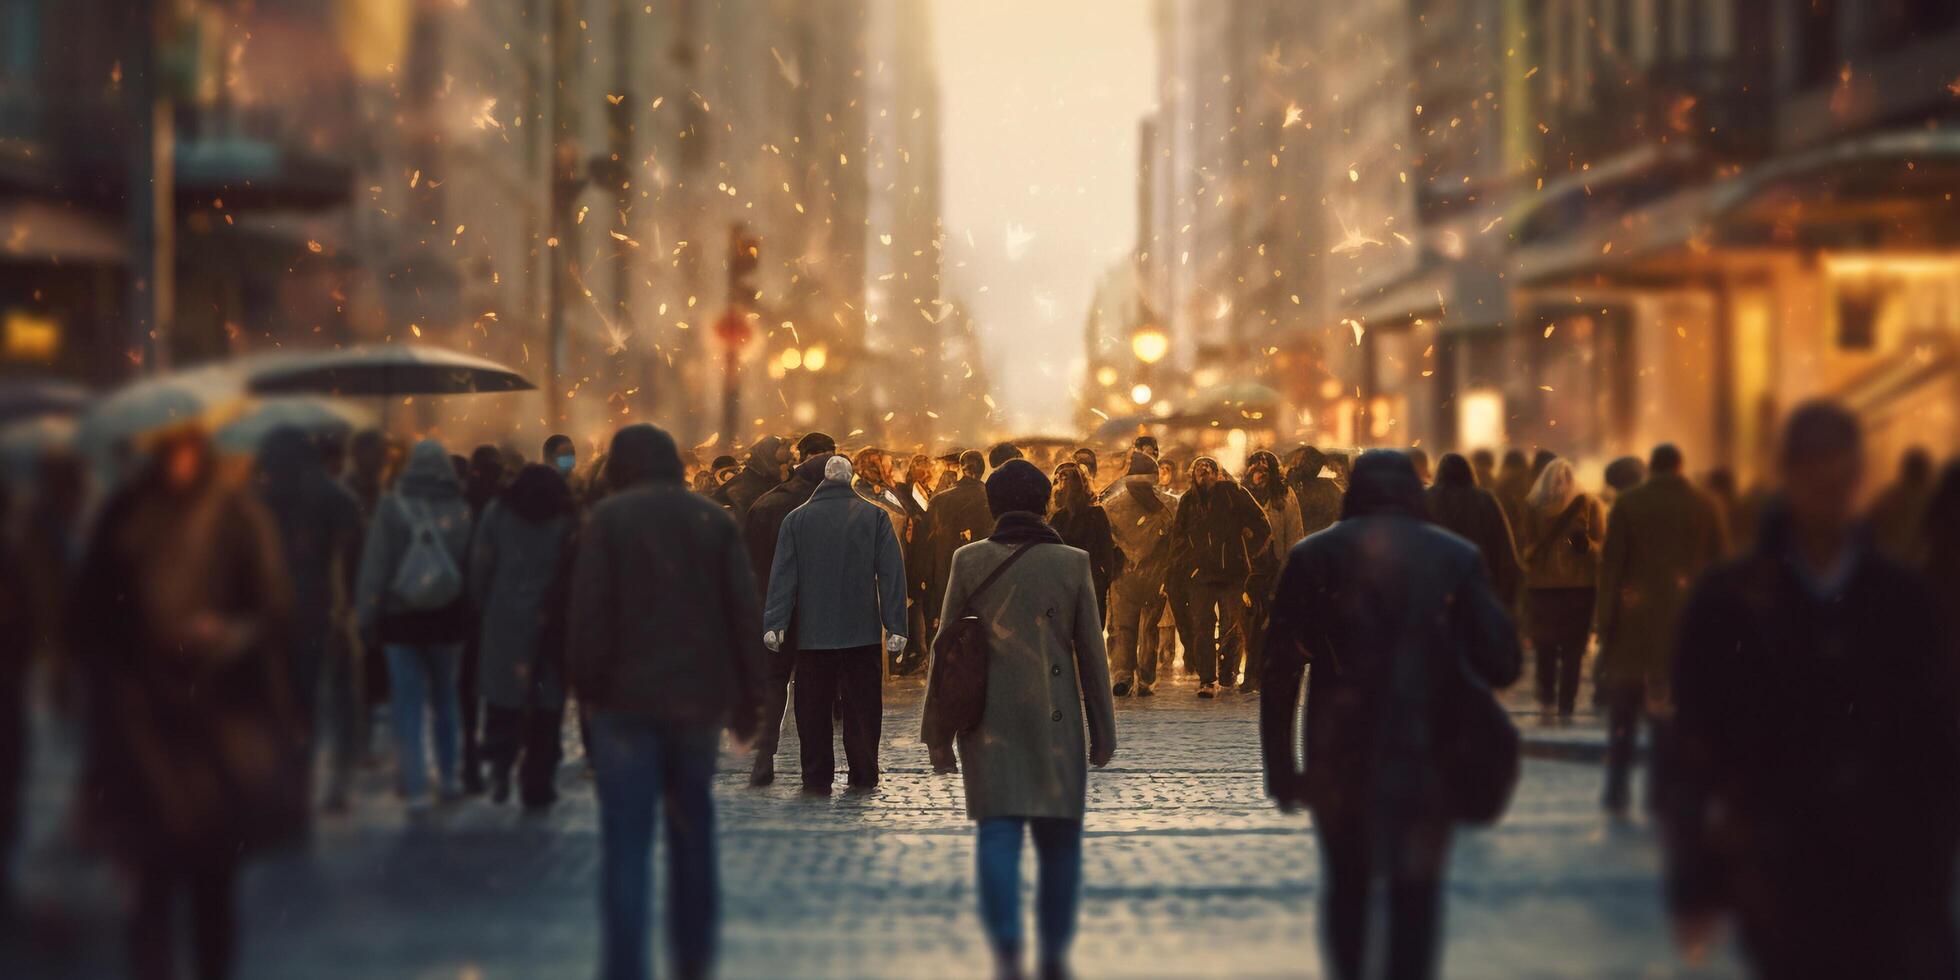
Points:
[766,467]
[1472,513]
[959,517]
[1140,515]
[1001,453]
[1023,765]
[872,480]
[561,454]
[1812,774]
[1898,514]
[17,648]
[1563,532]
[196,755]
[1660,537]
[1483,465]
[1263,479]
[1216,538]
[1419,458]
[367,478]
[520,564]
[915,495]
[1514,483]
[663,651]
[320,532]
[1319,496]
[412,602]
[1941,556]
[1083,524]
[760,533]
[1389,609]
[1622,474]
[839,579]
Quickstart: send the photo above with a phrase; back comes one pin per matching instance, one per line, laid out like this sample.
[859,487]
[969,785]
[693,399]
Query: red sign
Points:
[734,330]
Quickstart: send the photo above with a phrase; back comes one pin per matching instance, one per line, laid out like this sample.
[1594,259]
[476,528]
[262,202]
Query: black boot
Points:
[763,772]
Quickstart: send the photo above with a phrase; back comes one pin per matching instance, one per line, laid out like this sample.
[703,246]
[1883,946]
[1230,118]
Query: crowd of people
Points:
[221,625]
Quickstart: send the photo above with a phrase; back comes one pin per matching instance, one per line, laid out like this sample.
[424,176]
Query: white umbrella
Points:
[394,369]
[155,403]
[315,416]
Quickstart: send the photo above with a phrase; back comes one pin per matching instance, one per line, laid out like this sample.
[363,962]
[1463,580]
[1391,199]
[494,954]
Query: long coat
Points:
[1473,514]
[1219,535]
[959,517]
[1660,537]
[517,577]
[1046,672]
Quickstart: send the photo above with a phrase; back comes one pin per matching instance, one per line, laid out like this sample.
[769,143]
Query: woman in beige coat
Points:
[1046,673]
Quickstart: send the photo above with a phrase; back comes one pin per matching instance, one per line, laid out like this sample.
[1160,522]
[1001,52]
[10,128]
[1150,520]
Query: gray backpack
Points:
[428,577]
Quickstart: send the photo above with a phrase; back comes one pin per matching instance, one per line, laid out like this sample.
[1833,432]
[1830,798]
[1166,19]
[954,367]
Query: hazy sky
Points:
[1041,100]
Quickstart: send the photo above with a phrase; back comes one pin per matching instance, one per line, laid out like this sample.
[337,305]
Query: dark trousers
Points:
[639,767]
[1218,620]
[853,676]
[782,667]
[1260,588]
[535,735]
[1626,704]
[472,720]
[1561,620]
[1408,854]
[1177,594]
[211,889]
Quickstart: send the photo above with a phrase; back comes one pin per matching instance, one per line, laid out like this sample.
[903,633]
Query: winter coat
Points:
[518,569]
[197,748]
[1319,499]
[1571,559]
[758,476]
[1283,517]
[1660,537]
[764,521]
[664,620]
[959,517]
[915,540]
[1048,702]
[1140,516]
[428,486]
[1811,778]
[838,571]
[1089,530]
[1471,513]
[320,531]
[1381,585]
[1219,535]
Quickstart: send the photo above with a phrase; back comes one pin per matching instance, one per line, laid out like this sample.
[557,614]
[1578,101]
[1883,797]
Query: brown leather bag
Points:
[959,664]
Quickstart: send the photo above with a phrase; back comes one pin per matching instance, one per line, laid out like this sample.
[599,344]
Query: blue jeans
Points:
[1058,889]
[417,676]
[636,761]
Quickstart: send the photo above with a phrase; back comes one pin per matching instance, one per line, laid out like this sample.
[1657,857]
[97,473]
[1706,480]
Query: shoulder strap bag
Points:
[959,654]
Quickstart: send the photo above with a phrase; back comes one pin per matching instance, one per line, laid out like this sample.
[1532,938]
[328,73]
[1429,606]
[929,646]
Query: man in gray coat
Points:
[839,572]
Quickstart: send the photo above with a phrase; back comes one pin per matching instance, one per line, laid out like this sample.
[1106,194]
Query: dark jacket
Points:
[959,517]
[664,619]
[915,539]
[1472,513]
[838,571]
[765,517]
[758,477]
[428,485]
[1088,529]
[1381,585]
[518,566]
[1219,535]
[320,532]
[1660,536]
[1811,783]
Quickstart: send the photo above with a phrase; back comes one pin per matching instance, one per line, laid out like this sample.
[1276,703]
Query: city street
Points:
[1188,873]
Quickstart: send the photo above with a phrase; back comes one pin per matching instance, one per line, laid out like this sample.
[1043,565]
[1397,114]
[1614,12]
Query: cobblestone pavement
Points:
[1188,873]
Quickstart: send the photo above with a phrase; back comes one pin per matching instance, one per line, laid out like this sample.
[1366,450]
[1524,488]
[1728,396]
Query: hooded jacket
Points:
[758,476]
[1281,506]
[320,532]
[765,518]
[518,571]
[1219,534]
[1140,518]
[838,570]
[663,619]
[1472,513]
[428,489]
[1319,496]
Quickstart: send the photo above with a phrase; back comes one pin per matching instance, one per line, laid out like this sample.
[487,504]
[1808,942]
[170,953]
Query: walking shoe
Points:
[1248,687]
[764,771]
[943,760]
[1208,691]
[1120,689]
[1146,691]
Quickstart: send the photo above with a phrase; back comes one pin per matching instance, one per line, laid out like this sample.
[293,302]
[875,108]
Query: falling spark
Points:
[1293,114]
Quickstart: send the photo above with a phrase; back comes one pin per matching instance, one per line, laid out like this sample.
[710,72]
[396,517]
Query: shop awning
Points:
[1456,297]
[1874,187]
[1672,227]
[35,231]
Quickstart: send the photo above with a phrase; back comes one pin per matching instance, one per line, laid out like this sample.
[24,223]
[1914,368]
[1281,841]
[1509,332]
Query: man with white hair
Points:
[839,577]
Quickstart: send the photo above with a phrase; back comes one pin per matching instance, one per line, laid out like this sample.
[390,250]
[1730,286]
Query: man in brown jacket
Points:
[1660,536]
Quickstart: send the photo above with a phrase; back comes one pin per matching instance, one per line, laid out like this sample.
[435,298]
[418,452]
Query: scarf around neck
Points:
[1019,527]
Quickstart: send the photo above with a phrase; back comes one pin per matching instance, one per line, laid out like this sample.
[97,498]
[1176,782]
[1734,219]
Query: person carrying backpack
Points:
[412,602]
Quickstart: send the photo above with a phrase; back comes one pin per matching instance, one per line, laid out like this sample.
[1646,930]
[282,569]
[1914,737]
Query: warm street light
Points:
[1150,345]
[792,359]
[814,358]
[1140,394]
[1105,376]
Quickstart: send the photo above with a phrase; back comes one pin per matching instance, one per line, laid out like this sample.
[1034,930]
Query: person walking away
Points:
[520,570]
[195,759]
[1319,496]
[371,470]
[1483,466]
[1514,482]
[1473,514]
[767,467]
[959,517]
[1419,458]
[663,650]
[486,477]
[1085,525]
[1622,474]
[1140,516]
[412,602]
[915,495]
[1898,514]
[1047,685]
[839,578]
[1385,606]
[760,533]
[1264,480]
[1660,537]
[1216,535]
[1810,783]
[320,531]
[1563,529]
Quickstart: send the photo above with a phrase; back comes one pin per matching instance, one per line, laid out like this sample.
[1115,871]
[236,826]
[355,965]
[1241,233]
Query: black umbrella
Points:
[26,398]
[396,369]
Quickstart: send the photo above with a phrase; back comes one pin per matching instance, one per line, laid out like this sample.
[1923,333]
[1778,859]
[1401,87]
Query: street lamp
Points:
[1106,376]
[814,358]
[1140,394]
[1150,345]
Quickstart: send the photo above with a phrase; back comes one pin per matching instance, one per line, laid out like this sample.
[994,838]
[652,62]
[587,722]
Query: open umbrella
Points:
[26,398]
[394,369]
[156,403]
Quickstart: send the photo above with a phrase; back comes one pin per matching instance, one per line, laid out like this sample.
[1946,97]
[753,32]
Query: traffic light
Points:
[744,256]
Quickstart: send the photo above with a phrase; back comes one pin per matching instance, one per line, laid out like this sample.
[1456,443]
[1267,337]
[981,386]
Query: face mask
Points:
[565,464]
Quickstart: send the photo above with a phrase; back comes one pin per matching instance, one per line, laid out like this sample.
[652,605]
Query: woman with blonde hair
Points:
[1559,540]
